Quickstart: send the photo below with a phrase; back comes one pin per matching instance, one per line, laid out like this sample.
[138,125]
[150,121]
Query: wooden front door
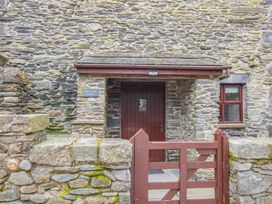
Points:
[143,106]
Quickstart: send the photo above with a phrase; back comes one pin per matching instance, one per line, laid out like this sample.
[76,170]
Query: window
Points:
[231,103]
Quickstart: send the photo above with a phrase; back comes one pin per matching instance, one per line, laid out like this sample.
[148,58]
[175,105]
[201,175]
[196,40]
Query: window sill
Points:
[232,126]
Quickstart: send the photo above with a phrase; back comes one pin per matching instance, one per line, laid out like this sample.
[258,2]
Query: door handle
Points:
[162,127]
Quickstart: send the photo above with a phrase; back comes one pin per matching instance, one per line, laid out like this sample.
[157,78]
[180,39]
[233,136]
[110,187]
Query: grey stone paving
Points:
[172,176]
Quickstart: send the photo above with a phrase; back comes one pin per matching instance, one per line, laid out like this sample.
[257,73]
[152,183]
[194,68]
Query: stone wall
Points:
[46,38]
[251,171]
[91,107]
[206,108]
[60,170]
[13,97]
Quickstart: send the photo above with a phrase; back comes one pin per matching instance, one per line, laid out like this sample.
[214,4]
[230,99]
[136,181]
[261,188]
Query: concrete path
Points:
[173,176]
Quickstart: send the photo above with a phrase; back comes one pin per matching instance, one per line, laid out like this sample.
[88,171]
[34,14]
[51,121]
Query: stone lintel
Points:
[186,60]
[28,123]
[88,122]
[236,79]
[251,148]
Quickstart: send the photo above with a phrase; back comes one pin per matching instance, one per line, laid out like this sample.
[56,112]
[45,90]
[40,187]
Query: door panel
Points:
[143,106]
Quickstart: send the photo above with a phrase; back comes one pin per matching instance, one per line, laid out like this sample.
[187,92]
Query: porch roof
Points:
[166,68]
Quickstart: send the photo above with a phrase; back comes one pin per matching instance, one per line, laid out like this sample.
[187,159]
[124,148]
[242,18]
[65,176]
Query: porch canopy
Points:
[138,67]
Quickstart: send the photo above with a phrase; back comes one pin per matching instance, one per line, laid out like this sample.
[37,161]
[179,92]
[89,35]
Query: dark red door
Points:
[143,106]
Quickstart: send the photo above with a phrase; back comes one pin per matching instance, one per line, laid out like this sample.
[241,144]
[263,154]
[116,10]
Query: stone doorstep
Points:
[251,148]
[28,123]
[88,122]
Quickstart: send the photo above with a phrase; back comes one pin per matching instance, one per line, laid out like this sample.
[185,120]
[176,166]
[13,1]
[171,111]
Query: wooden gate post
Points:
[219,166]
[225,170]
[222,170]
[139,188]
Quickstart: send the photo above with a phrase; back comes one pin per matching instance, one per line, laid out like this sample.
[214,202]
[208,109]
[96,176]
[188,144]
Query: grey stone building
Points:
[211,60]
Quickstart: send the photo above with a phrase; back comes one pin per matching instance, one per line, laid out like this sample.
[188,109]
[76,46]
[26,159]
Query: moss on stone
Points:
[99,166]
[56,132]
[93,173]
[66,190]
[232,157]
[116,199]
[104,178]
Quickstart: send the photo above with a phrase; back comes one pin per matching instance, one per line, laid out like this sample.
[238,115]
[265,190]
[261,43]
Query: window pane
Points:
[232,113]
[232,93]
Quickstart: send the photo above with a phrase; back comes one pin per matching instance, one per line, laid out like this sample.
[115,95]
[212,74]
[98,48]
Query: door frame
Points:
[149,83]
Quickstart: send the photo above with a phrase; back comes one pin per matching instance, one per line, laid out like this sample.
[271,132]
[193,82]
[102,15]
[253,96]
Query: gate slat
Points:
[202,184]
[165,202]
[163,165]
[183,176]
[189,145]
[175,165]
[163,185]
[202,201]
[170,194]
[201,164]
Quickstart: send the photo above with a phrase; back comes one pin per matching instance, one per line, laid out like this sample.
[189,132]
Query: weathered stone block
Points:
[41,174]
[53,152]
[96,200]
[25,165]
[3,173]
[120,186]
[85,149]
[2,4]
[100,181]
[115,151]
[269,69]
[250,182]
[84,191]
[29,189]
[251,148]
[122,175]
[20,178]
[267,36]
[38,198]
[9,195]
[241,166]
[268,2]
[13,164]
[64,177]
[124,198]
[78,183]
[23,123]
[58,201]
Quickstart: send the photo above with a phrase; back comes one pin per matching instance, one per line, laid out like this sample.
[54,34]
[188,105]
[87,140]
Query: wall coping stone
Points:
[28,123]
[251,148]
[65,151]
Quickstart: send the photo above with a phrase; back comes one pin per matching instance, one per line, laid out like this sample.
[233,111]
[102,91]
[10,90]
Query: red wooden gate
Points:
[211,154]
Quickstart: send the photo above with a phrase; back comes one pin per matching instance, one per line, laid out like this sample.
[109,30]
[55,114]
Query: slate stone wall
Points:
[91,107]
[13,98]
[46,38]
[251,171]
[60,170]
